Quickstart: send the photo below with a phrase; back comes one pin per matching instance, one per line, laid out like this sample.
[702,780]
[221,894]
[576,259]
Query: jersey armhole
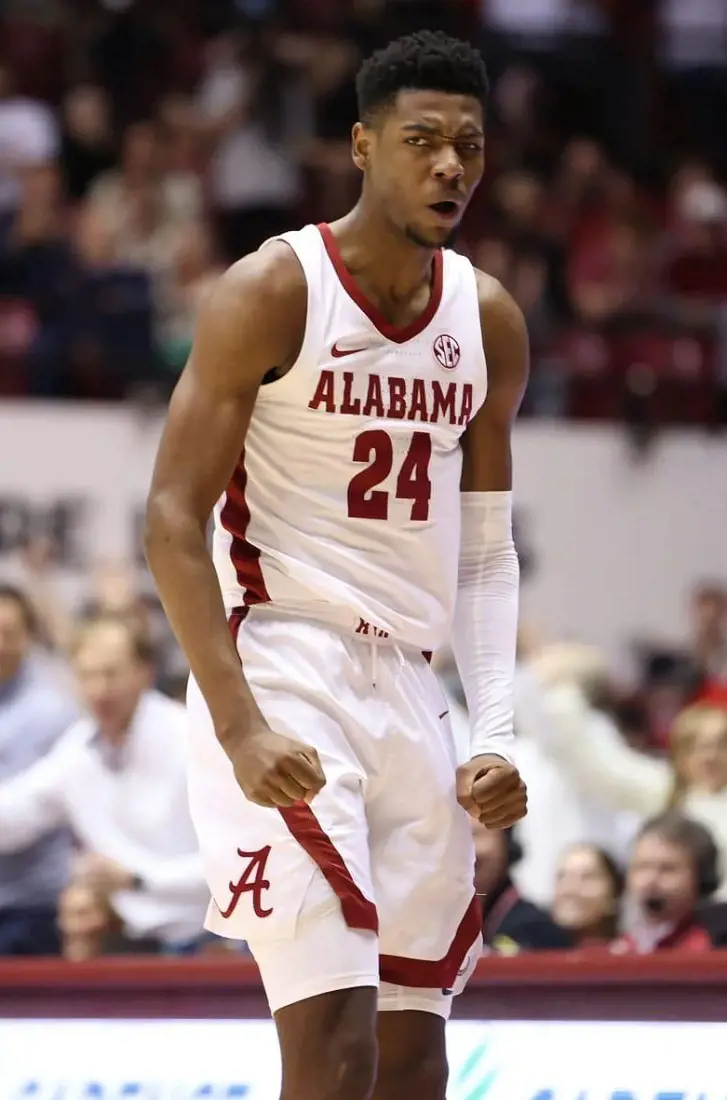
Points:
[467,280]
[312,343]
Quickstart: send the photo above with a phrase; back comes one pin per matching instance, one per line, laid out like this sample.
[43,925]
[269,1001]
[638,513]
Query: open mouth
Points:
[447,208]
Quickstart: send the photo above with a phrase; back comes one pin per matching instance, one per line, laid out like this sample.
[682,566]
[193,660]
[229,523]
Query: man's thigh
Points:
[422,852]
[268,869]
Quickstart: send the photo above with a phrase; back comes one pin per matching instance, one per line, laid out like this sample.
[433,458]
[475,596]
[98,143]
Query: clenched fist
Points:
[492,791]
[276,771]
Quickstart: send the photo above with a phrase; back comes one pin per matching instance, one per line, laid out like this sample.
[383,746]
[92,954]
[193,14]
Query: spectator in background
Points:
[38,271]
[510,923]
[562,811]
[113,315]
[33,716]
[123,196]
[696,273]
[709,636]
[588,889]
[673,869]
[588,749]
[87,147]
[194,271]
[28,138]
[118,778]
[248,113]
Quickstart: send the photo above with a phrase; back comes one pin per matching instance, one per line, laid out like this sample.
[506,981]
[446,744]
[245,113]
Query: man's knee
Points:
[414,1078]
[412,1057]
[329,1047]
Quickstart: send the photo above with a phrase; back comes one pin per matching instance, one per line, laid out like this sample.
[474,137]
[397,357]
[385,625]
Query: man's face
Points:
[662,879]
[110,677]
[709,614]
[423,158]
[15,639]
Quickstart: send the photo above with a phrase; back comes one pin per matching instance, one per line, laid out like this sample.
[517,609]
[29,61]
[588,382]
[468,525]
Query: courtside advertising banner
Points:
[610,544]
[238,1060]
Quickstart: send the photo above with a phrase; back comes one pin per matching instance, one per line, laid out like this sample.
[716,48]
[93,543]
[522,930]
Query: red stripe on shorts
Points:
[435,973]
[358,911]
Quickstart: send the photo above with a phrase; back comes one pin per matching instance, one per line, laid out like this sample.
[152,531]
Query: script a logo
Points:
[476,1076]
[247,884]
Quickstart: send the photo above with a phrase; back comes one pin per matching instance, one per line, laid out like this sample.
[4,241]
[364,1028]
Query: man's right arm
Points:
[32,803]
[252,322]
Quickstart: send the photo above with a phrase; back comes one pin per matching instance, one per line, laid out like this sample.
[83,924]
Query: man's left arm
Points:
[486,617]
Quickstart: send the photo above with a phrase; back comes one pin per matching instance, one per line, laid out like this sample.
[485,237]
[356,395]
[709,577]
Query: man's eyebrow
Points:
[468,130]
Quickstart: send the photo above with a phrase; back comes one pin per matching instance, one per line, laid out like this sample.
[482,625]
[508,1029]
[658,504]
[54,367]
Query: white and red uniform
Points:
[337,548]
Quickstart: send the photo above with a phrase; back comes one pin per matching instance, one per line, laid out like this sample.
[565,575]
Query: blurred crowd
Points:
[143,146]
[624,847]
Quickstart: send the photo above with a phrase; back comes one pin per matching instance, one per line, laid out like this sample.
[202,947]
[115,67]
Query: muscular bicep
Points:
[487,459]
[251,323]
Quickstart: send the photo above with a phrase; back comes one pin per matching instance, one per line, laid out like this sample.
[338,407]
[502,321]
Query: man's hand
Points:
[492,791]
[276,771]
[102,874]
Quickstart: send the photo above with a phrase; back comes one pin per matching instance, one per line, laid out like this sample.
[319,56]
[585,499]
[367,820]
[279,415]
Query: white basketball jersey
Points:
[345,503]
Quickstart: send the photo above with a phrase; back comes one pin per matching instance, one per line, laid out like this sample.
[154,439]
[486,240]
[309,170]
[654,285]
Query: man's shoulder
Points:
[54,709]
[497,305]
[273,276]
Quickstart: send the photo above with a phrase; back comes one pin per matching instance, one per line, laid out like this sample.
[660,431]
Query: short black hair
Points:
[428,61]
[24,605]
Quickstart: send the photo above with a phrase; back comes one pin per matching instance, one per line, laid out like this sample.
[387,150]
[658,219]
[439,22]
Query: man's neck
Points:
[381,255]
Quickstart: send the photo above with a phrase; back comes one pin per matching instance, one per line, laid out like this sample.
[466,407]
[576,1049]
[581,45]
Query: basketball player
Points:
[348,404]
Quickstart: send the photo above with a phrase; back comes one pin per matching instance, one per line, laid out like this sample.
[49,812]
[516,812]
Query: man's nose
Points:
[448,166]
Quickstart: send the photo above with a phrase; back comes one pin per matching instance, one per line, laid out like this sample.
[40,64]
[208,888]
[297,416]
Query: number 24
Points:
[375,447]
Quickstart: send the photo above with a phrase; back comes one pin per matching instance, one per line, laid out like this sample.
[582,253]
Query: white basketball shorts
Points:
[372,884]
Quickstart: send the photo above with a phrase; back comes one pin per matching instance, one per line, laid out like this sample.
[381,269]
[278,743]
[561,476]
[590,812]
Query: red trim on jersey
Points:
[397,333]
[436,973]
[235,517]
[304,826]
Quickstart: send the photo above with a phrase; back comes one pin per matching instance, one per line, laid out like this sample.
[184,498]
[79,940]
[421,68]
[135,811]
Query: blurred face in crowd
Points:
[86,114]
[140,154]
[41,187]
[662,879]
[426,149]
[703,763]
[83,919]
[709,615]
[111,677]
[15,638]
[585,894]
[490,857]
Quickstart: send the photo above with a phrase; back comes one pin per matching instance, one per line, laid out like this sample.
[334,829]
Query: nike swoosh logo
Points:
[443,714]
[341,353]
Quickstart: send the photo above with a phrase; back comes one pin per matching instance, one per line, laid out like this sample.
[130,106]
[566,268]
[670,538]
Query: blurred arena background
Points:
[144,145]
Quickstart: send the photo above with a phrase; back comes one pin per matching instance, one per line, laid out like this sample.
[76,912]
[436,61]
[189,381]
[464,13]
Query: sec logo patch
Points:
[447,351]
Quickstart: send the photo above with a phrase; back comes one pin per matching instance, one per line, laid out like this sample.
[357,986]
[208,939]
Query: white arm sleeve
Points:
[486,620]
